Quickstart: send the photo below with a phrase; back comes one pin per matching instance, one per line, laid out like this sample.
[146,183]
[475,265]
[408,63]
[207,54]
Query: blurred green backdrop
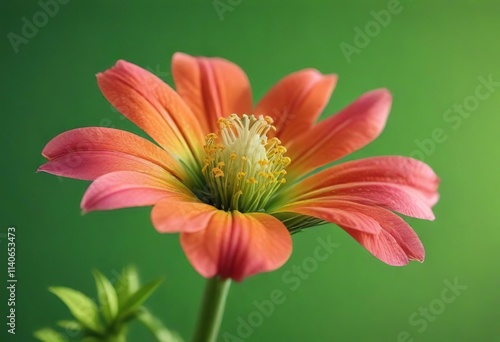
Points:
[430,55]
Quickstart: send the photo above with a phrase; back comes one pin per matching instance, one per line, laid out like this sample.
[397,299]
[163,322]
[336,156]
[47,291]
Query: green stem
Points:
[212,310]
[120,337]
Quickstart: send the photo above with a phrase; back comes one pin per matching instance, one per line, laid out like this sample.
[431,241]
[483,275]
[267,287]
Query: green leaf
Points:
[107,296]
[156,327]
[81,307]
[70,325]
[49,335]
[139,297]
[127,284]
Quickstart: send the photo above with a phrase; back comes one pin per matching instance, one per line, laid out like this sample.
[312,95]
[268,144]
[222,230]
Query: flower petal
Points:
[383,246]
[125,189]
[181,213]
[297,101]
[396,245]
[383,233]
[88,153]
[236,245]
[153,106]
[212,87]
[334,138]
[410,173]
[342,213]
[390,196]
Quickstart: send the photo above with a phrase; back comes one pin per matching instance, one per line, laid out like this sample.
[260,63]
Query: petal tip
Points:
[180,54]
[398,263]
[383,94]
[84,206]
[122,63]
[333,77]
[44,168]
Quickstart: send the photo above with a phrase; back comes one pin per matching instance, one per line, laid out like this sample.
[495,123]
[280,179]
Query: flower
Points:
[236,180]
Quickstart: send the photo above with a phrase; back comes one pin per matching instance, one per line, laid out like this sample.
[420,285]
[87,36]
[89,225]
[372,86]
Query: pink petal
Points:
[236,245]
[297,101]
[212,87]
[153,106]
[88,153]
[381,232]
[390,196]
[334,138]
[338,212]
[383,246]
[125,189]
[408,172]
[397,245]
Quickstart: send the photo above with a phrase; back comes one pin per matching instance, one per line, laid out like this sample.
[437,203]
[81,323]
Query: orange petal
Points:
[334,138]
[212,87]
[297,101]
[236,245]
[124,189]
[181,213]
[153,106]
[88,153]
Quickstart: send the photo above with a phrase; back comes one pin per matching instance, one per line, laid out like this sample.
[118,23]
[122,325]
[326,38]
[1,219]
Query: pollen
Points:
[217,172]
[252,180]
[243,169]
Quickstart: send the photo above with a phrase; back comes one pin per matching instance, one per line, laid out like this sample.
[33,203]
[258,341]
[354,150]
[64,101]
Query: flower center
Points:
[242,168]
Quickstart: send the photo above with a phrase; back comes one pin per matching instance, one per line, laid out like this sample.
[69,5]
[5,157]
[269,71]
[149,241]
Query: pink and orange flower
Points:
[237,180]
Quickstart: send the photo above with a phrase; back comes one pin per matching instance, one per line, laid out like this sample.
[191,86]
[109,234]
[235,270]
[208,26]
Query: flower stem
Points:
[212,310]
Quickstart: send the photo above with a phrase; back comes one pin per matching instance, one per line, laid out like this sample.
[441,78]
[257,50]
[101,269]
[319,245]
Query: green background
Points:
[430,56]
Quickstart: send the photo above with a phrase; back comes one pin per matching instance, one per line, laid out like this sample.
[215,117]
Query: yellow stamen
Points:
[252,180]
[217,172]
[248,158]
